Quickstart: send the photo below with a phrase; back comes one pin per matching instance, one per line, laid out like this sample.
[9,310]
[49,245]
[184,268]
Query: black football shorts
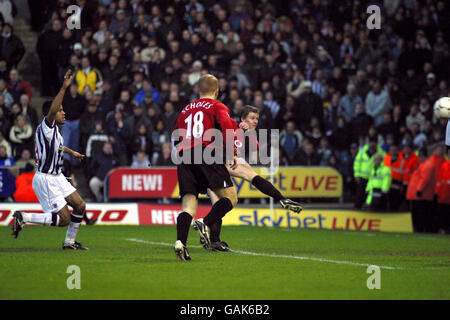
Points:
[196,178]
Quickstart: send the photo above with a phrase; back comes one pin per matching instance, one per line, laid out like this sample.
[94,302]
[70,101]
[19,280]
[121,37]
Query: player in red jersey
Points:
[193,126]
[249,122]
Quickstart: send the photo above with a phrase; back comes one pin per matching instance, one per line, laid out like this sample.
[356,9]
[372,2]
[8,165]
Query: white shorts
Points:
[447,135]
[52,190]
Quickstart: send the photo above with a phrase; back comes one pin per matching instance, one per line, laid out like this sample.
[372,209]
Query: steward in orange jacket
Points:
[443,184]
[410,165]
[394,160]
[443,195]
[422,187]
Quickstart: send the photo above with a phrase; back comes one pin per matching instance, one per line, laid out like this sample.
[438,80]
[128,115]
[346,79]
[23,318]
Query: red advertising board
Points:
[105,213]
[142,183]
[113,213]
[156,214]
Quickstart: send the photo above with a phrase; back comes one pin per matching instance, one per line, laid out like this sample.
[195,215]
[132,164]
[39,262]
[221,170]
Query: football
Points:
[442,108]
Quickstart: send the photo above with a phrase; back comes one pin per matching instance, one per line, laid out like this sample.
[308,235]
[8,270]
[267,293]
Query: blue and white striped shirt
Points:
[49,148]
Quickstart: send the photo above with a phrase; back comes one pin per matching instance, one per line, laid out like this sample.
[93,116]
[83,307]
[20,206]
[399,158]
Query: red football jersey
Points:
[199,116]
[246,143]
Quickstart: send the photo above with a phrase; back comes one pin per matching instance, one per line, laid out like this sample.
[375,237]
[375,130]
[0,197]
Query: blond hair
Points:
[208,85]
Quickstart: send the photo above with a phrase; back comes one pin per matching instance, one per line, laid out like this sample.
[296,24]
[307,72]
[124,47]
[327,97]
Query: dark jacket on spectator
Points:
[47,45]
[87,125]
[163,162]
[265,118]
[303,159]
[360,125]
[11,50]
[309,105]
[74,107]
[121,136]
[341,137]
[16,89]
[102,164]
[142,142]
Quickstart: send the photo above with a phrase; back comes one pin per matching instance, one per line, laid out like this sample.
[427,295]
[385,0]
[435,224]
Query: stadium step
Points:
[29,67]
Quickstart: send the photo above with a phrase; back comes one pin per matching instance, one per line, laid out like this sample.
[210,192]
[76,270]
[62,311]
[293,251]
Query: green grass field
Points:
[269,264]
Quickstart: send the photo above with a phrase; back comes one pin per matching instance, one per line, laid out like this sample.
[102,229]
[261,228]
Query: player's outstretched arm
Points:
[74,154]
[56,104]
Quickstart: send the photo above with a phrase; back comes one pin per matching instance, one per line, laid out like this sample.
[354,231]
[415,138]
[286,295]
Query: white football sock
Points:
[72,231]
[39,218]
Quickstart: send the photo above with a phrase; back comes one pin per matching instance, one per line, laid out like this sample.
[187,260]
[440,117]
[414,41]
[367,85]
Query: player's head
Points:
[208,86]
[60,116]
[250,115]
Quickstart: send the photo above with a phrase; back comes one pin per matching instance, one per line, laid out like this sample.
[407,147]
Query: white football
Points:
[442,108]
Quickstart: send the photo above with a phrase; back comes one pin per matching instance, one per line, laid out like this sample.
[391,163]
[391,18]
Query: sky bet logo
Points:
[293,221]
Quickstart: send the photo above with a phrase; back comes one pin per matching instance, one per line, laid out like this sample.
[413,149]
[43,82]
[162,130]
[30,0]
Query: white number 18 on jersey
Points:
[196,129]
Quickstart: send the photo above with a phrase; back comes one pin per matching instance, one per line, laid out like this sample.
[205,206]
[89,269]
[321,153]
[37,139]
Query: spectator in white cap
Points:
[77,47]
[195,75]
[430,90]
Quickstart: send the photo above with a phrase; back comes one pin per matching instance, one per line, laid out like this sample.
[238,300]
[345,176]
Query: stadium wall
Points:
[159,214]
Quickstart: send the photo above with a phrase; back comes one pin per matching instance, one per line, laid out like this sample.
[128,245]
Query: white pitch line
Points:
[274,255]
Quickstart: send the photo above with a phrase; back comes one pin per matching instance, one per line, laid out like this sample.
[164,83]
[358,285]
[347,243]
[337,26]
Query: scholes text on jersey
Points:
[195,105]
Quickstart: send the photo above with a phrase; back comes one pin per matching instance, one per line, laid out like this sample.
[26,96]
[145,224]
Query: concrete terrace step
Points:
[29,67]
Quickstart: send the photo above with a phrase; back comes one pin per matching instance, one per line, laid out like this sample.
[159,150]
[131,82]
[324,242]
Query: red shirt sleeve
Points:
[222,115]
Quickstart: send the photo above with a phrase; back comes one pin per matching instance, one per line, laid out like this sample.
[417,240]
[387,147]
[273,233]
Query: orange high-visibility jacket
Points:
[397,168]
[411,164]
[424,179]
[443,184]
[24,188]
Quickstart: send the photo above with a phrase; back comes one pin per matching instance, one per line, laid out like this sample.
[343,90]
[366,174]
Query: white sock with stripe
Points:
[39,218]
[73,228]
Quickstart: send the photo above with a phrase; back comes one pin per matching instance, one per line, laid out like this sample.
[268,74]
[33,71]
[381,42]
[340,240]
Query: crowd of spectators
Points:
[313,69]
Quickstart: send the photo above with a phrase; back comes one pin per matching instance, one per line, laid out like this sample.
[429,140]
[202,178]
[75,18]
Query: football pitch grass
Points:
[138,262]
